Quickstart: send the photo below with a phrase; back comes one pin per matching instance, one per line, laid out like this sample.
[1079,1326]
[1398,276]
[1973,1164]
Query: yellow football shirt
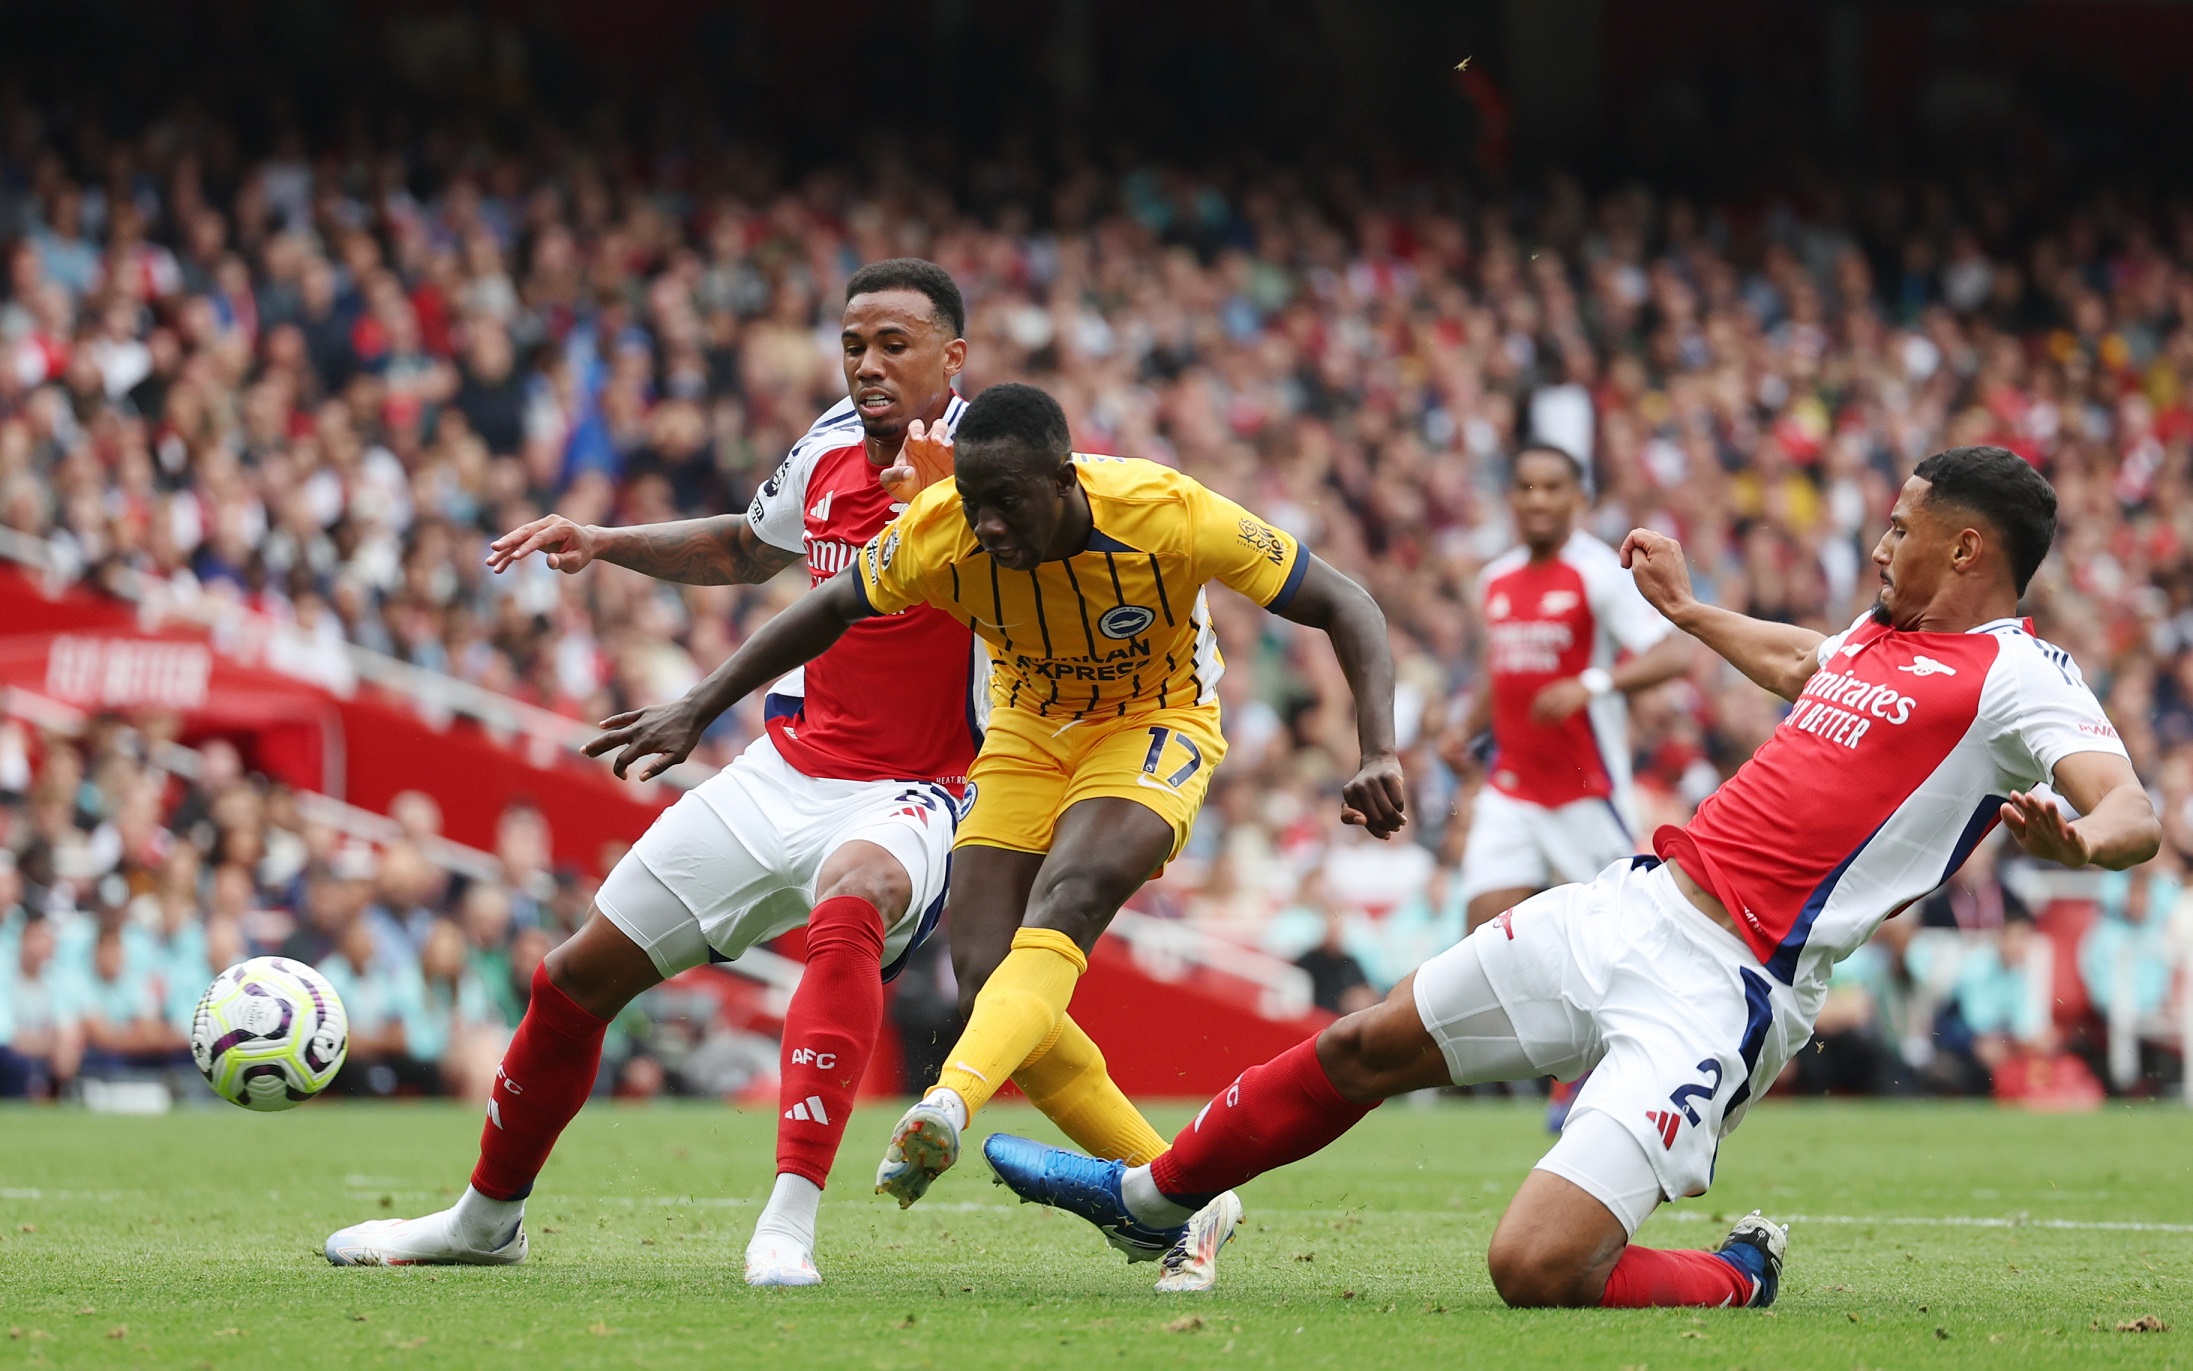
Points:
[1118,627]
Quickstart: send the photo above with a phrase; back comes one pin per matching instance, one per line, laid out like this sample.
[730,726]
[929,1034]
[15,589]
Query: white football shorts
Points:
[1677,1021]
[1517,845]
[734,862]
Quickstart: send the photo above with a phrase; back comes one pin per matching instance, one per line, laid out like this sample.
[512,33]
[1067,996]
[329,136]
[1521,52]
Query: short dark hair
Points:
[915,274]
[1576,464]
[2006,492]
[1014,413]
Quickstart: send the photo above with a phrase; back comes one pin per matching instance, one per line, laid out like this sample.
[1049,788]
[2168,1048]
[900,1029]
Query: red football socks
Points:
[1272,1114]
[1650,1277]
[829,1033]
[544,1079]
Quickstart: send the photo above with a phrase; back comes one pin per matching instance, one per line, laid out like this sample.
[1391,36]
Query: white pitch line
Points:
[1952,1221]
[1672,1216]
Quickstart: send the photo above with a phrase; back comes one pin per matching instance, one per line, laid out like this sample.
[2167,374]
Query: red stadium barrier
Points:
[474,778]
[26,607]
[286,728]
[87,651]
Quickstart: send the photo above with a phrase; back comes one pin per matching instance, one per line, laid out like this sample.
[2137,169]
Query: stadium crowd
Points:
[314,383]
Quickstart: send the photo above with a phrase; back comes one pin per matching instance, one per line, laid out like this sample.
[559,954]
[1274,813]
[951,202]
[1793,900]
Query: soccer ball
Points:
[269,1034]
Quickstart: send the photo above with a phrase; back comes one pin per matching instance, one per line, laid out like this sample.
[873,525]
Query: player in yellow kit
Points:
[1086,576]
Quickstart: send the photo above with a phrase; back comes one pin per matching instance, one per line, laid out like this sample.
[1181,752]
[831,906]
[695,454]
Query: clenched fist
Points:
[1655,562]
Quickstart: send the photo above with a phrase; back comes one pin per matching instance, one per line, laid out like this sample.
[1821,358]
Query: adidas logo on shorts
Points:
[1666,1121]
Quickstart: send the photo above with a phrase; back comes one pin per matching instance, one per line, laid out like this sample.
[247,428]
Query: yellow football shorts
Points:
[1031,770]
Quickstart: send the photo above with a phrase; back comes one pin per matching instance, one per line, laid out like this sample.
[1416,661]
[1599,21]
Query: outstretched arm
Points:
[719,551]
[1352,619]
[1781,657]
[794,638]
[2116,827]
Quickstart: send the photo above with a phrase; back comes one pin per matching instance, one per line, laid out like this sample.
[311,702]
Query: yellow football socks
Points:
[1017,1012]
[1068,1082]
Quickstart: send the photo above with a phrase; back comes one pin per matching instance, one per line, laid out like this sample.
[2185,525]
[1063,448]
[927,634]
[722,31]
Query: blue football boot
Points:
[1042,1174]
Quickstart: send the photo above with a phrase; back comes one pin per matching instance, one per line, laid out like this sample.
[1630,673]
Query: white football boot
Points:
[1191,1265]
[923,1147]
[772,1260]
[453,1237]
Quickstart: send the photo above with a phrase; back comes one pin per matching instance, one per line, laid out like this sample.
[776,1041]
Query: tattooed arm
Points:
[701,552]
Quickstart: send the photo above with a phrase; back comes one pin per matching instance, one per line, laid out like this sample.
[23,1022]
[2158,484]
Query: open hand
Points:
[1373,798]
[668,733]
[2042,830]
[924,459]
[1655,562]
[569,546]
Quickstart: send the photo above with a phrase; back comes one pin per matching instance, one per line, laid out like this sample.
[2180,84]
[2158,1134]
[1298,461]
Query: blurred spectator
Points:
[522,843]
[221,948]
[485,919]
[167,932]
[1854,1042]
[456,1025]
[39,1042]
[117,1009]
[2126,958]
[406,896]
[2129,961]
[385,1003]
[1337,982]
[2001,989]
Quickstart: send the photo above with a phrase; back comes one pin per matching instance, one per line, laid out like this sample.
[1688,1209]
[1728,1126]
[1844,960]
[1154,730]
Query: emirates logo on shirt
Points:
[826,557]
[1842,708]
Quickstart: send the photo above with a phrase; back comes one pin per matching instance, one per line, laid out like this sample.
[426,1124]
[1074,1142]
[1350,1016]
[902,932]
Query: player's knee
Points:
[1531,1272]
[1077,903]
[1342,1052]
[882,885]
[1377,1053]
[600,968]
[588,983]
[1357,1059]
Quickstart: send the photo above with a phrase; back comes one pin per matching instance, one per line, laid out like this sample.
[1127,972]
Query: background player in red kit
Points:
[841,818]
[1559,611]
[1694,976]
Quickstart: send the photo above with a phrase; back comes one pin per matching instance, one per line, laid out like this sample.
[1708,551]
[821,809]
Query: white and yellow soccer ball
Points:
[269,1034]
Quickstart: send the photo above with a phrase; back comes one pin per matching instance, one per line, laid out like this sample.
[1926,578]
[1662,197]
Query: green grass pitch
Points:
[1924,1235]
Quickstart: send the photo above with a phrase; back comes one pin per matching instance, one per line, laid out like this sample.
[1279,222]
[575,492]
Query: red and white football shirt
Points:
[901,697]
[1545,622]
[1880,781]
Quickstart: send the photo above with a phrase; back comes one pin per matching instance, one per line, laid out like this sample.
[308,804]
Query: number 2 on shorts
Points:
[1158,738]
